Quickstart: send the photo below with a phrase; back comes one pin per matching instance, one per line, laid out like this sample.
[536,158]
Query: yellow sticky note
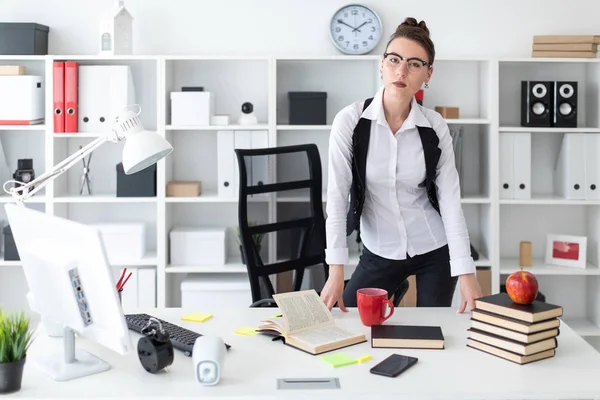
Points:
[276,316]
[338,359]
[364,358]
[246,331]
[196,317]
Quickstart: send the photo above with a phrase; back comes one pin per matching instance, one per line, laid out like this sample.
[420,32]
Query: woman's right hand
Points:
[334,288]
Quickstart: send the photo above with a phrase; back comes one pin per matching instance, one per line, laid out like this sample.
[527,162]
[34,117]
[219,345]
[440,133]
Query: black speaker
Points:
[536,103]
[564,113]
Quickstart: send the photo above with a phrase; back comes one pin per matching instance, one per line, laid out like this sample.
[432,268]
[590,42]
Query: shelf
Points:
[149,259]
[235,266]
[549,200]
[39,127]
[8,263]
[77,135]
[304,127]
[258,127]
[582,327]
[304,199]
[214,198]
[539,267]
[102,198]
[35,199]
[468,121]
[547,60]
[548,129]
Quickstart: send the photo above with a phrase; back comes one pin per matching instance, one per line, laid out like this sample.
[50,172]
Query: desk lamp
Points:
[142,149]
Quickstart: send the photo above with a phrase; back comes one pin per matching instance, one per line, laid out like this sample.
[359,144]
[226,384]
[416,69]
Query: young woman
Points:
[409,207]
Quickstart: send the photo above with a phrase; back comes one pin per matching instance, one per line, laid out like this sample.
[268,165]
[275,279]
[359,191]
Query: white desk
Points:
[255,362]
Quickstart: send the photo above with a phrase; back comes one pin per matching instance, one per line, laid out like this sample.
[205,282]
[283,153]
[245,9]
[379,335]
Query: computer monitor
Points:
[71,282]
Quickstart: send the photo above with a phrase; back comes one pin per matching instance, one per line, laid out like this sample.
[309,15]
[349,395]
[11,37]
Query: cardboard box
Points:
[184,189]
[448,112]
[12,70]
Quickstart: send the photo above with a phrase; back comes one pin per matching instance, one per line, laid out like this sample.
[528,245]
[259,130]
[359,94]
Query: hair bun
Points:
[412,22]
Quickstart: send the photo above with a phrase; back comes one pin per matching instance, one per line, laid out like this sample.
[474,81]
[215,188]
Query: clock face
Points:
[355,29]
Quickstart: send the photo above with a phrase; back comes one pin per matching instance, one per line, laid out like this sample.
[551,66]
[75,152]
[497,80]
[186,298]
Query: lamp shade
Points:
[143,149]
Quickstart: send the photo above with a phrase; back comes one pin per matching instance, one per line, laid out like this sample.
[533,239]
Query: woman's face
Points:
[403,69]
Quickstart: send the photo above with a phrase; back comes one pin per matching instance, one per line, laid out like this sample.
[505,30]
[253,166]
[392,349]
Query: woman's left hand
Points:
[470,290]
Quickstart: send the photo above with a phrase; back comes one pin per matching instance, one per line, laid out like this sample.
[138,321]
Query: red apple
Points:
[522,287]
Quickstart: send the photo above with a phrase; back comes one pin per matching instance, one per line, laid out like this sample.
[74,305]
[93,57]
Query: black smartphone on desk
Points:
[394,365]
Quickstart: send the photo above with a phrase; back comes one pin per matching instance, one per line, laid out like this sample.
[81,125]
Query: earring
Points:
[426,85]
[380,75]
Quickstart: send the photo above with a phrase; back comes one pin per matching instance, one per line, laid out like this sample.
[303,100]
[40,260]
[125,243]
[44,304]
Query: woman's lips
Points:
[399,84]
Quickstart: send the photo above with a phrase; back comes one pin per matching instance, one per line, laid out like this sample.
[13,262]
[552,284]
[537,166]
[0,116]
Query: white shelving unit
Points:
[486,90]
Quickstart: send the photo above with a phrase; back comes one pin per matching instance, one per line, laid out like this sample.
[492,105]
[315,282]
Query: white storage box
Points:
[192,108]
[124,242]
[215,291]
[198,246]
[21,99]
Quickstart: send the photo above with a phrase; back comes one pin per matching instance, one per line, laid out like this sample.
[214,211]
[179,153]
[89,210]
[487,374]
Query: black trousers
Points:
[435,286]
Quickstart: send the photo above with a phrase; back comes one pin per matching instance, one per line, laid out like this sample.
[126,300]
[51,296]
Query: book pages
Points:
[302,311]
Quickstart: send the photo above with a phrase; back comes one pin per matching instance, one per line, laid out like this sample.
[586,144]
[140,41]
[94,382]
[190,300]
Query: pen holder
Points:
[120,292]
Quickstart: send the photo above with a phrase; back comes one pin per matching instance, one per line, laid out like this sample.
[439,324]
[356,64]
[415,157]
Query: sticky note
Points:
[364,358]
[338,359]
[196,317]
[276,316]
[246,331]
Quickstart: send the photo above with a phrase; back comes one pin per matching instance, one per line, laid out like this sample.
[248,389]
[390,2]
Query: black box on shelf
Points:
[10,248]
[308,108]
[139,184]
[23,38]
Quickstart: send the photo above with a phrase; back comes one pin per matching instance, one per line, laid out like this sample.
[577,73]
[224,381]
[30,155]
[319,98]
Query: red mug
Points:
[372,306]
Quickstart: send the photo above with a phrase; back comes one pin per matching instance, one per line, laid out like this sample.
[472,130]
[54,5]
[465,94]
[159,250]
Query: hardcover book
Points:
[502,304]
[407,336]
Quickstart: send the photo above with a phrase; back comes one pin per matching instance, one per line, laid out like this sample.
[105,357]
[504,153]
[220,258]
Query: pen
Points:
[120,281]
[125,281]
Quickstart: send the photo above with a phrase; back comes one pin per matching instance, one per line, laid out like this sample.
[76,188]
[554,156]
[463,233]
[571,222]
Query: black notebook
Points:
[407,336]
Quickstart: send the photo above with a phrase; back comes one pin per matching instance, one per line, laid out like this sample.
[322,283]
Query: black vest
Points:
[360,146]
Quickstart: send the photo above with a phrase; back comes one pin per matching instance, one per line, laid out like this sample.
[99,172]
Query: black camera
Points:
[24,172]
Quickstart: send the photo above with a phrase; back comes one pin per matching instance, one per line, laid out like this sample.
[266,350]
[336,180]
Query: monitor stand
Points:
[72,364]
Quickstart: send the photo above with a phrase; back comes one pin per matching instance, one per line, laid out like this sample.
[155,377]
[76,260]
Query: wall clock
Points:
[355,29]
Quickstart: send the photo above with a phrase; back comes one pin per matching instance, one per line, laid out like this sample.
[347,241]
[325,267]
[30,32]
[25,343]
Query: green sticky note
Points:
[338,359]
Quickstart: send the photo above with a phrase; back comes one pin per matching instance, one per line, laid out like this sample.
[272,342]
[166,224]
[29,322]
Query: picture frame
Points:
[566,250]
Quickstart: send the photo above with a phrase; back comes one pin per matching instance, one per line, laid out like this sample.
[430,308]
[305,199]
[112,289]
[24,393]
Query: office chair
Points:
[304,249]
[305,234]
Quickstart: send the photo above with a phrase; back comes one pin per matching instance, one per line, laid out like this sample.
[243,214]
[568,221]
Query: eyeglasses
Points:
[414,64]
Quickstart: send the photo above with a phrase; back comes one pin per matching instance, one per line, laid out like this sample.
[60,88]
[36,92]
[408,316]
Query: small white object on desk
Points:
[209,356]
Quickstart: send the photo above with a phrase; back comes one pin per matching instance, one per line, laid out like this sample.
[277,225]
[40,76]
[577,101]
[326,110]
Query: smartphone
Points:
[394,365]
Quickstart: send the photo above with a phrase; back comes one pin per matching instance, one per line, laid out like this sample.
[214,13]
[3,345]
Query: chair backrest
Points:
[306,232]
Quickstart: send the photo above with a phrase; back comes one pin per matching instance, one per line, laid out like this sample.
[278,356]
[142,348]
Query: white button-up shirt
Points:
[397,218]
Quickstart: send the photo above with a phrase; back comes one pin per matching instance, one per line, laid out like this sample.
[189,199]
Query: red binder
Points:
[58,90]
[71,89]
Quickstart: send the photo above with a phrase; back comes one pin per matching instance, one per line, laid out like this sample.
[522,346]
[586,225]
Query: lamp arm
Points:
[40,182]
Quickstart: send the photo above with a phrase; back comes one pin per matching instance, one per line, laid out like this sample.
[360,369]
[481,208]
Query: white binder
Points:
[104,92]
[522,165]
[226,164]
[515,165]
[592,166]
[570,167]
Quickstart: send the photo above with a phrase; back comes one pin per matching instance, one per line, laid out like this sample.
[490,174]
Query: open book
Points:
[307,324]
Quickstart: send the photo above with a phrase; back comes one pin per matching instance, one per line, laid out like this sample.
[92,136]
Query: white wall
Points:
[280,27]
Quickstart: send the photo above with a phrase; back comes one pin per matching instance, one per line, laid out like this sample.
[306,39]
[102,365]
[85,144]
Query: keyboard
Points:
[181,338]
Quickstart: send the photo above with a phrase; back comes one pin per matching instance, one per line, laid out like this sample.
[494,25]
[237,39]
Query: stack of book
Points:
[565,46]
[515,332]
